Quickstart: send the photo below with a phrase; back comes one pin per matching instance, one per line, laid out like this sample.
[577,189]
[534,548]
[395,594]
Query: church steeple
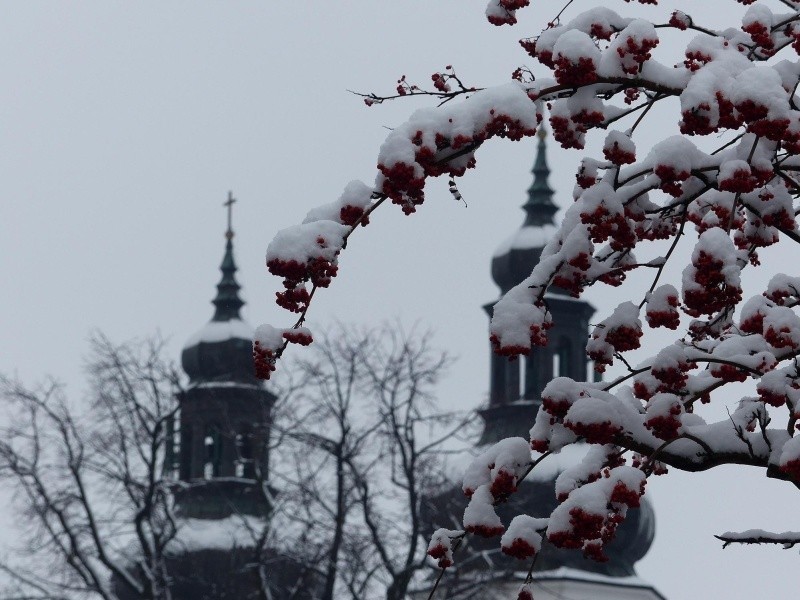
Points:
[225,410]
[222,349]
[227,301]
[516,386]
[539,207]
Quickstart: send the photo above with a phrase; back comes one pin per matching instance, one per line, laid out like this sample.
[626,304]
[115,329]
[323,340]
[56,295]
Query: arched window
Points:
[213,444]
[561,363]
[244,453]
[564,358]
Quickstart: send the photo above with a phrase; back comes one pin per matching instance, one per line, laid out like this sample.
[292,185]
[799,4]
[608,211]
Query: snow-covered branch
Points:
[725,167]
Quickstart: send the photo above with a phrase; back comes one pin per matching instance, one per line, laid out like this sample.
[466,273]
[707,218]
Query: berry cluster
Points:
[485,531]
[504,484]
[577,73]
[792,469]
[503,12]
[607,225]
[761,35]
[666,426]
[353,215]
[294,299]
[442,554]
[728,373]
[696,59]
[538,337]
[298,336]
[622,494]
[671,179]
[263,360]
[594,433]
[619,155]
[525,593]
[403,185]
[680,20]
[714,292]
[519,548]
[664,312]
[570,131]
[634,52]
[440,83]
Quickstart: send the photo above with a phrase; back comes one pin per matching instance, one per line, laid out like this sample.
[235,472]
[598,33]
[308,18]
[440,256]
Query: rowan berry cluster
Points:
[714,291]
[263,360]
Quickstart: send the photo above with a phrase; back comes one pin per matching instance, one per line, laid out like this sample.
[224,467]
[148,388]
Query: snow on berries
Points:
[525,592]
[619,148]
[782,288]
[590,468]
[348,209]
[618,333]
[480,517]
[736,176]
[576,58]
[268,341]
[632,47]
[523,539]
[306,252]
[441,141]
[499,468]
[440,547]
[663,414]
[589,517]
[780,387]
[503,12]
[594,419]
[789,458]
[711,282]
[662,307]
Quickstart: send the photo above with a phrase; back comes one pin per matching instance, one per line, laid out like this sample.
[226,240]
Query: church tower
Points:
[222,493]
[515,387]
[225,411]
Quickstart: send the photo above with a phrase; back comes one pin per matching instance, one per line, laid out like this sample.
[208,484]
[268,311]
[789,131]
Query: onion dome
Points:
[514,260]
[222,350]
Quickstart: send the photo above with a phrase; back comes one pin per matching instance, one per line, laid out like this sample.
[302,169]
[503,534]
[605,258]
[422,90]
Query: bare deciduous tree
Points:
[91,480]
[357,441]
[362,440]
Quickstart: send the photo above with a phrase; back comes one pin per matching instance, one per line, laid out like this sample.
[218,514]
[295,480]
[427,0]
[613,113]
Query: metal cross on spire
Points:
[229,203]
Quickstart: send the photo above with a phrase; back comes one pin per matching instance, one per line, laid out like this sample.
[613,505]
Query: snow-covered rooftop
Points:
[219,331]
[217,534]
[527,237]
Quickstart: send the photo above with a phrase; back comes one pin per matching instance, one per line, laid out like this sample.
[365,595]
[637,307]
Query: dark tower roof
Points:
[539,207]
[227,300]
[515,258]
[222,349]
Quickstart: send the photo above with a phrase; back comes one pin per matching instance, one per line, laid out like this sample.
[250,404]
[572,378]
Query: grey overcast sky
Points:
[124,124]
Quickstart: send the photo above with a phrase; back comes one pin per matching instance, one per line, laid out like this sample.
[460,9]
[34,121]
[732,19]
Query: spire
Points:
[539,207]
[227,300]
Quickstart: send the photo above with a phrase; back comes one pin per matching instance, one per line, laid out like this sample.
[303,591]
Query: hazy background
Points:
[123,126]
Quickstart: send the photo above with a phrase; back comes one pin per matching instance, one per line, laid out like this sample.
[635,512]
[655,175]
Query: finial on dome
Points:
[227,301]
